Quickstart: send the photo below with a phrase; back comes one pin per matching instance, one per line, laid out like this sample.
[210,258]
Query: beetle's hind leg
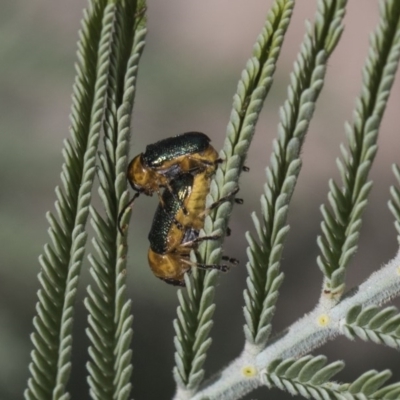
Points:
[223,199]
[220,161]
[192,238]
[173,282]
[218,267]
[231,260]
[122,213]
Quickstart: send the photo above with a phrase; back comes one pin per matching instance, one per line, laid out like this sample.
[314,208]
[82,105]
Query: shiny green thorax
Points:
[168,149]
[166,212]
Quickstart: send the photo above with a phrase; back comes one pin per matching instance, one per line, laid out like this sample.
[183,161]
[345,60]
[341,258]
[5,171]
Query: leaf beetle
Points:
[165,160]
[174,234]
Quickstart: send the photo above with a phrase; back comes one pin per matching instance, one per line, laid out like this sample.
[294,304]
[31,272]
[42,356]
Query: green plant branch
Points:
[323,323]
[111,42]
[307,79]
[342,225]
[303,336]
[61,262]
[196,309]
[110,318]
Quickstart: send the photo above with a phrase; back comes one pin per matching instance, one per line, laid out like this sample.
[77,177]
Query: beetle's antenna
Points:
[121,214]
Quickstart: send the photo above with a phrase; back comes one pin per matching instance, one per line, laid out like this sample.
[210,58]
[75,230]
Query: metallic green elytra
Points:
[170,149]
[169,158]
[164,227]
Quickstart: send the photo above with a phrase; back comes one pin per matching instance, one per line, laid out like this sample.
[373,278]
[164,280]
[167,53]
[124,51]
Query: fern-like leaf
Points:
[61,262]
[372,323]
[264,258]
[310,377]
[394,203]
[196,310]
[370,384]
[341,224]
[110,318]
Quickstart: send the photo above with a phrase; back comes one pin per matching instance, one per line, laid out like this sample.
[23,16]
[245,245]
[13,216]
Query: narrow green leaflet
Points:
[310,377]
[110,318]
[394,203]
[381,326]
[307,80]
[196,309]
[61,261]
[342,222]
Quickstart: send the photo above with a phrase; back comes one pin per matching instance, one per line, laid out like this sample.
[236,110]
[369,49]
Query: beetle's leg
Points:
[220,161]
[231,260]
[191,243]
[160,199]
[218,267]
[174,282]
[204,165]
[225,198]
[195,170]
[140,14]
[121,214]
[222,200]
[179,225]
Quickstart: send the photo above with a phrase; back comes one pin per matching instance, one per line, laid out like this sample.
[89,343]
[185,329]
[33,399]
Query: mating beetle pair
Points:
[183,165]
[174,234]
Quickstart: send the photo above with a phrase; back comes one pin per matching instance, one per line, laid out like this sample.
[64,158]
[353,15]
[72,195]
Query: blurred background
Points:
[193,58]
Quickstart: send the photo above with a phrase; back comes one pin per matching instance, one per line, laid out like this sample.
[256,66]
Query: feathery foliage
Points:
[341,226]
[324,323]
[62,260]
[309,377]
[306,84]
[196,309]
[394,203]
[371,323]
[110,318]
[111,43]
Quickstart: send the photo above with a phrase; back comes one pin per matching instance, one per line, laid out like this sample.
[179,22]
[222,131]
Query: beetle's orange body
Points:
[174,233]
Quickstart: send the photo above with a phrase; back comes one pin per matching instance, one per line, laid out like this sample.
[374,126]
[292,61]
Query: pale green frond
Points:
[110,318]
[192,327]
[61,263]
[265,254]
[394,203]
[247,103]
[253,87]
[370,384]
[341,226]
[309,377]
[381,326]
